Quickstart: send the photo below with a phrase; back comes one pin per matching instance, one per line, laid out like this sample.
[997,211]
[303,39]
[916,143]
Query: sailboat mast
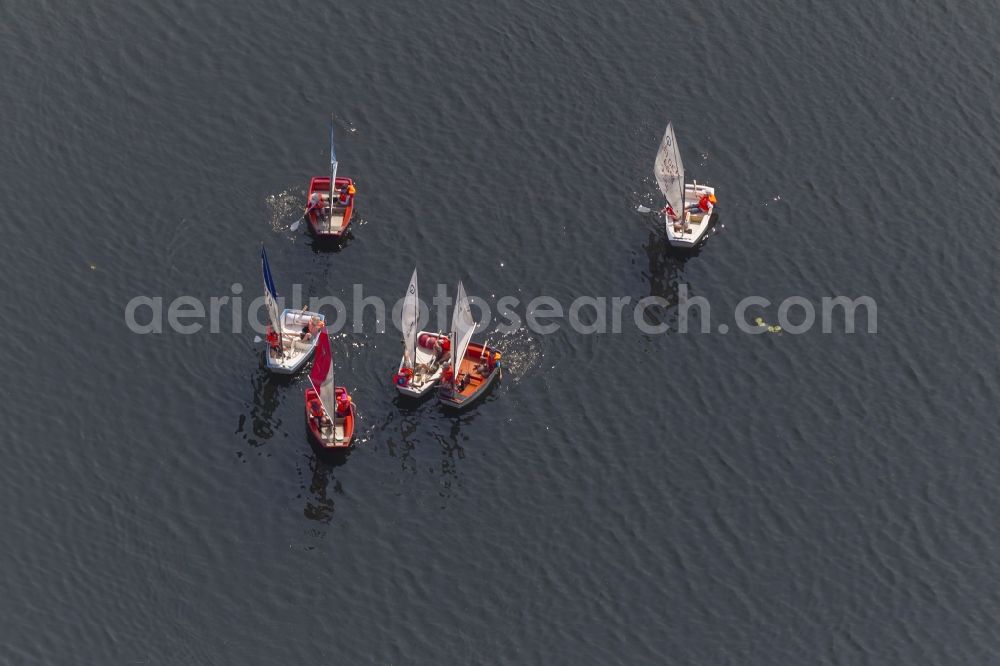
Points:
[333,170]
[416,321]
[454,359]
[270,295]
[677,151]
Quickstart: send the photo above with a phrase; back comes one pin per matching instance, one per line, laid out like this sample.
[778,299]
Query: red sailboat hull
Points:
[340,436]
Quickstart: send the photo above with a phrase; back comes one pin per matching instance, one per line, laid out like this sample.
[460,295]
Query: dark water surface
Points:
[630,498]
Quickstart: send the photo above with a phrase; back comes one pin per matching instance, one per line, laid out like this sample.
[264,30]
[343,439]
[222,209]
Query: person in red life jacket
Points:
[315,205]
[705,202]
[273,341]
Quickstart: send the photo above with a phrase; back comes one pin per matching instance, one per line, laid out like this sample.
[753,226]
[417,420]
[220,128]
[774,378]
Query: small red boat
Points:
[330,200]
[324,220]
[329,408]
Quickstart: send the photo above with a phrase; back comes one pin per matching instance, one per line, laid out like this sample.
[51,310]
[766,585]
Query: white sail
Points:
[669,171]
[327,394]
[409,318]
[462,327]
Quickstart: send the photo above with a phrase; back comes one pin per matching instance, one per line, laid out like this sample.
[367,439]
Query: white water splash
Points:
[520,353]
[284,208]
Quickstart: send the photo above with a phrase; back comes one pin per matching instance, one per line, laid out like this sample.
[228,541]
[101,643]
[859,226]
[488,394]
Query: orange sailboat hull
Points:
[472,379]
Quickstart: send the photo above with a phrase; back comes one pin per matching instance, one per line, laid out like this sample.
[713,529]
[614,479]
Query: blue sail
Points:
[270,293]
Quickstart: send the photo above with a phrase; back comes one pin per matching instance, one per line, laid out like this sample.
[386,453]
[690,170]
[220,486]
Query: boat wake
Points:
[284,209]
[521,353]
[645,201]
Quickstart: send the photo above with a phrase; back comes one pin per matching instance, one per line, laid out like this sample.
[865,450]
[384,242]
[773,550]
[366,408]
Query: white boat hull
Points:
[421,383]
[692,231]
[295,353]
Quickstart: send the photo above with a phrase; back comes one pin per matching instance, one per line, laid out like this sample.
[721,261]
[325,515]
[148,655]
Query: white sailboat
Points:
[423,351]
[288,346]
[685,227]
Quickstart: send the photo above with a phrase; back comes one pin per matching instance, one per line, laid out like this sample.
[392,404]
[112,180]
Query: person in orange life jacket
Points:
[343,404]
[346,194]
[311,328]
[703,204]
[316,412]
[315,204]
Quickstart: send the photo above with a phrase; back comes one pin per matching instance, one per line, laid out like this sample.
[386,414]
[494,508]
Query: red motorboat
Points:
[329,408]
